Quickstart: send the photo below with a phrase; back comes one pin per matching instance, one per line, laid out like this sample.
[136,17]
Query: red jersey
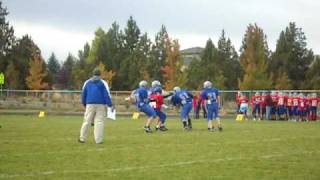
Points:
[243,100]
[282,101]
[290,102]
[255,100]
[314,102]
[302,104]
[263,101]
[274,99]
[295,101]
[158,100]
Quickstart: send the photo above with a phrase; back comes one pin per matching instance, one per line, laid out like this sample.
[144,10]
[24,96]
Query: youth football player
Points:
[290,107]
[243,105]
[302,108]
[157,102]
[183,98]
[313,107]
[255,103]
[263,105]
[212,100]
[142,103]
[295,101]
[281,106]
[274,97]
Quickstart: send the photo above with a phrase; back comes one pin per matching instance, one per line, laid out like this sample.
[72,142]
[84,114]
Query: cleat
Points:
[254,119]
[147,129]
[220,129]
[92,124]
[210,129]
[163,128]
[80,141]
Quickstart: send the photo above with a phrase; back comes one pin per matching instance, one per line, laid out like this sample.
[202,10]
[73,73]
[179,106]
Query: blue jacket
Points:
[96,91]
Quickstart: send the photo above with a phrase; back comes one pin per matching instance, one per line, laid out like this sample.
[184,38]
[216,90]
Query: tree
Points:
[65,74]
[12,76]
[21,54]
[253,59]
[80,70]
[172,69]
[53,68]
[228,63]
[98,51]
[106,75]
[158,54]
[292,56]
[7,38]
[36,74]
[313,75]
[283,82]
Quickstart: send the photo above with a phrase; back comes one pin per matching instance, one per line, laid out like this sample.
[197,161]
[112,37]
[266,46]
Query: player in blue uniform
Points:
[142,103]
[183,98]
[212,102]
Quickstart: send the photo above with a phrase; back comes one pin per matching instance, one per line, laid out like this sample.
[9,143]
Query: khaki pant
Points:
[94,113]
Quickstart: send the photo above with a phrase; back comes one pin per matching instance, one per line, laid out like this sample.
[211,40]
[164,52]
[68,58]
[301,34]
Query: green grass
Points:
[48,149]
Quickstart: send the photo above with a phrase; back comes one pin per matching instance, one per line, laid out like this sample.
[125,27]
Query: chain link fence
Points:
[69,102]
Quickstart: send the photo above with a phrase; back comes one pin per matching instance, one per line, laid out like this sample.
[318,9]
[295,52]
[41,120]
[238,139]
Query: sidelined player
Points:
[255,104]
[212,102]
[282,100]
[183,98]
[313,106]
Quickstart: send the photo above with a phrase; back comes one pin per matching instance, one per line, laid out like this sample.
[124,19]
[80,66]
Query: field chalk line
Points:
[177,164]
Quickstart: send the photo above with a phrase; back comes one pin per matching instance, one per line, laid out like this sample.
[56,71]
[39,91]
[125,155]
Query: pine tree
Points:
[283,82]
[80,70]
[53,68]
[228,63]
[313,75]
[65,75]
[35,80]
[292,56]
[253,59]
[7,38]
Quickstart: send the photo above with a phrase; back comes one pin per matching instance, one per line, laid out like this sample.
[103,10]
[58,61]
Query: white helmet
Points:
[176,89]
[155,83]
[257,94]
[143,83]
[207,84]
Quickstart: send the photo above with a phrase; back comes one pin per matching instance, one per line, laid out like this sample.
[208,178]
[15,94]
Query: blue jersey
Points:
[142,96]
[211,95]
[181,98]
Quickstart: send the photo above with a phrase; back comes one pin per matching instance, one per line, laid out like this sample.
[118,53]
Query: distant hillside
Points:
[193,50]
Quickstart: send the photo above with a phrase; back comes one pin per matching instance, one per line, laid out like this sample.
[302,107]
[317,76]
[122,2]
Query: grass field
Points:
[48,149]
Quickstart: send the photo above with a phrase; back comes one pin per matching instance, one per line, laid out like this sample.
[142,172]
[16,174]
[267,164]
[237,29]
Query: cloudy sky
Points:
[63,26]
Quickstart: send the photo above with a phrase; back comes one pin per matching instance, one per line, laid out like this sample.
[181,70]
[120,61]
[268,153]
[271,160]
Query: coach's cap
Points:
[96,72]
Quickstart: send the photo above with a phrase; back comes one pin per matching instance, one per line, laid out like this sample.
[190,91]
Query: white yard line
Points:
[177,164]
[154,145]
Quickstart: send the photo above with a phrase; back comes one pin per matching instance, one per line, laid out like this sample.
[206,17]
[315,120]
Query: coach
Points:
[95,97]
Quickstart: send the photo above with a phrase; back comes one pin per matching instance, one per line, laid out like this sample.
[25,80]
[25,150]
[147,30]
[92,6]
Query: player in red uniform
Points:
[281,106]
[263,105]
[243,100]
[295,108]
[313,107]
[290,107]
[274,97]
[255,104]
[302,108]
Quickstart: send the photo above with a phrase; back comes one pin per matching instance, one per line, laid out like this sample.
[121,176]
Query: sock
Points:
[184,123]
[189,122]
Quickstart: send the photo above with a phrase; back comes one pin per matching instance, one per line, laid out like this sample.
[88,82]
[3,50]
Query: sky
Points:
[64,26]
